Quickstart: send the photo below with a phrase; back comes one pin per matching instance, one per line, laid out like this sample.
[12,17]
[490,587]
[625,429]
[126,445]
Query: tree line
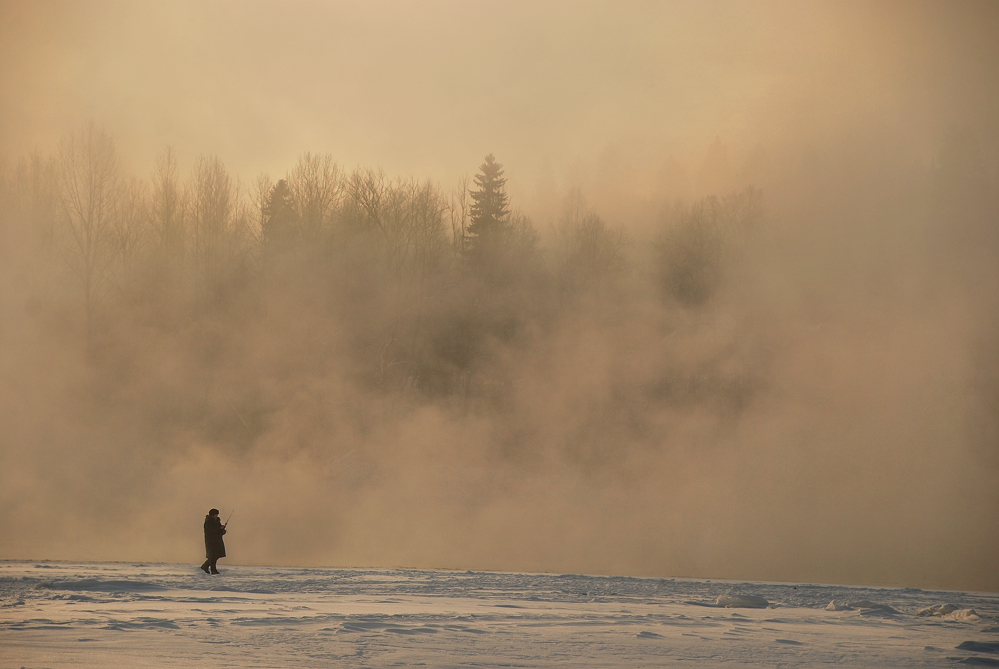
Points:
[428,281]
[331,283]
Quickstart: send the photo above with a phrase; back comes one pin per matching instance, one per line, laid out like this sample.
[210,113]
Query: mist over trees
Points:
[411,291]
[342,318]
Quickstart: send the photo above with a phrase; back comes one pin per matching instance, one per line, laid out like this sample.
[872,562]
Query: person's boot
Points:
[215,571]
[204,567]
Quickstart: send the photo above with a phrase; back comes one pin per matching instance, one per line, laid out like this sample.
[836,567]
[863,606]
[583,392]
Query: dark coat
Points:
[214,546]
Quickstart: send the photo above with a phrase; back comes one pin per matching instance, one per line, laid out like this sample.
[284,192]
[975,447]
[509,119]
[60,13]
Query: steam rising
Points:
[744,324]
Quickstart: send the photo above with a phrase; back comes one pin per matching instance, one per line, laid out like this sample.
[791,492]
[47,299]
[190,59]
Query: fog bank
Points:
[744,324]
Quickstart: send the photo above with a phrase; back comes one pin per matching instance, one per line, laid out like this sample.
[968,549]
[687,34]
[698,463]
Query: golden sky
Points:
[428,88]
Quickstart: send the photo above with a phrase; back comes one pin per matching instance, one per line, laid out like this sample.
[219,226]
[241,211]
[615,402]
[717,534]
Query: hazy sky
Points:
[428,88]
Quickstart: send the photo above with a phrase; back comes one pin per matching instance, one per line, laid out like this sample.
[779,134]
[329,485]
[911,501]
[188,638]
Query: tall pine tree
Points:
[280,224]
[490,223]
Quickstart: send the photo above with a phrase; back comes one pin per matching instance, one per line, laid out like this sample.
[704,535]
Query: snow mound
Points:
[741,602]
[645,634]
[937,610]
[978,661]
[949,612]
[867,606]
[980,646]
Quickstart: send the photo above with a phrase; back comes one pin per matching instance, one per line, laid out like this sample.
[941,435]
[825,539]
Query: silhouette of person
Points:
[214,546]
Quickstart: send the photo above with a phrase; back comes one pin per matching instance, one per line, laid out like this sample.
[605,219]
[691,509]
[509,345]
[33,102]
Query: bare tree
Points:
[214,212]
[317,187]
[586,249]
[403,220]
[459,210]
[366,191]
[129,227]
[397,226]
[89,184]
[167,210]
[409,217]
[696,244]
[428,237]
[259,197]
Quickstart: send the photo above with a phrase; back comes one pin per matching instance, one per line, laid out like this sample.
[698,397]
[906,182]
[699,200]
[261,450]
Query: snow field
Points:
[134,615]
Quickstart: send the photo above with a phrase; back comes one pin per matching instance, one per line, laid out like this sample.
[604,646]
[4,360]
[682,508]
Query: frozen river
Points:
[57,614]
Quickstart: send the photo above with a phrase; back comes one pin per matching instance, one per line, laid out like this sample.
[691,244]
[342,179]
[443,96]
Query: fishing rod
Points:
[227,519]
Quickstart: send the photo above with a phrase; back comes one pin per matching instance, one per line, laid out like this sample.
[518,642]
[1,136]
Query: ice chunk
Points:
[833,606]
[741,602]
[948,612]
[937,610]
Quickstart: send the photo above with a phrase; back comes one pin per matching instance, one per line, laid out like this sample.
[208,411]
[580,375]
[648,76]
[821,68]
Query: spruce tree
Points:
[489,212]
[280,224]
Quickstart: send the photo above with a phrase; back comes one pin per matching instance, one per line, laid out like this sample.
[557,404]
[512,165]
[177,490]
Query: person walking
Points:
[214,546]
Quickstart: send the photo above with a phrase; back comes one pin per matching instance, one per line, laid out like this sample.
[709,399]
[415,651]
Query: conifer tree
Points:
[280,220]
[489,211]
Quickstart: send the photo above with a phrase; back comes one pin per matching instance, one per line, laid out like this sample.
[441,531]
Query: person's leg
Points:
[215,568]
[204,567]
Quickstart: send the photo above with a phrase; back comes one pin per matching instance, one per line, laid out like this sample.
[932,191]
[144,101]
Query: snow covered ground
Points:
[156,615]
